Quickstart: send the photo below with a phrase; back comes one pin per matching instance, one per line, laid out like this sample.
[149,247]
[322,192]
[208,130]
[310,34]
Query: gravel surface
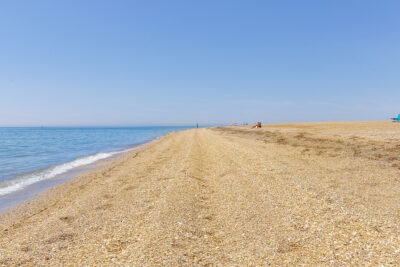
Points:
[299,194]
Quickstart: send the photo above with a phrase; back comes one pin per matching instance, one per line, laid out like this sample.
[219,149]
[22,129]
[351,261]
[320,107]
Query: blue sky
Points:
[182,62]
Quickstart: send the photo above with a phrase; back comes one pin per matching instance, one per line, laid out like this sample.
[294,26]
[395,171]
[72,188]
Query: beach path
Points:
[314,194]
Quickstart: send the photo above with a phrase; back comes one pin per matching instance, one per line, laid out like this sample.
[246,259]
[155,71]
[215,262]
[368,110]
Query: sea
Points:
[33,159]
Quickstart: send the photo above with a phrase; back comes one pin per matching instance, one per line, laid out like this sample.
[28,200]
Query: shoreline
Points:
[38,202]
[298,195]
[31,191]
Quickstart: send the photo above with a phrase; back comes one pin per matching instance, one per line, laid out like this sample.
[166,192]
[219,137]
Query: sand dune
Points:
[313,194]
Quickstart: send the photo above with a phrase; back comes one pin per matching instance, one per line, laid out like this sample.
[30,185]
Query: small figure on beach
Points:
[257,125]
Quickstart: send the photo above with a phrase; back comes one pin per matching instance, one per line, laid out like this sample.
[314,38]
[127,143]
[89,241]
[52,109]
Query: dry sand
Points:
[311,194]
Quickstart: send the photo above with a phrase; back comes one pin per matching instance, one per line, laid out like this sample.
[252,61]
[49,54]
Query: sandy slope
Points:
[326,193]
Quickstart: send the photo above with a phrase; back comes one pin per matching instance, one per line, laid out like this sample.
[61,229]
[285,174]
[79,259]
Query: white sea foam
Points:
[21,182]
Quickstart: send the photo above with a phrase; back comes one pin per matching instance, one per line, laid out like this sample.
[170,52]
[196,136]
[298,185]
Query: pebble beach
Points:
[313,194]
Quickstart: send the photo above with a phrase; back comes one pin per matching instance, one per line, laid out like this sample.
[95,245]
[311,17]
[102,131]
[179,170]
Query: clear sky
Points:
[181,62]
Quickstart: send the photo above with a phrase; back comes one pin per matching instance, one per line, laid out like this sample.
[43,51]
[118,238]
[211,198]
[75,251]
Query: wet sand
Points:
[312,194]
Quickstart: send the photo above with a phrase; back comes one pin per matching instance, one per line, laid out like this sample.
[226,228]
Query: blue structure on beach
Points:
[396,119]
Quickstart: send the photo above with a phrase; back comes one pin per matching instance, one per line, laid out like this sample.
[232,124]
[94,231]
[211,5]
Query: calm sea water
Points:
[32,155]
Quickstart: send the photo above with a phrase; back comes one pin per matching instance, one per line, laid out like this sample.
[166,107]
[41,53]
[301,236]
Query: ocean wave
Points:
[21,182]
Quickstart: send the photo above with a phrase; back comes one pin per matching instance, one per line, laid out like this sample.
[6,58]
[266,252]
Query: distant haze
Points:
[208,62]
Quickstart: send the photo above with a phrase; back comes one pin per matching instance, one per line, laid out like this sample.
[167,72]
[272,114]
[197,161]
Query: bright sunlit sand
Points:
[285,194]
